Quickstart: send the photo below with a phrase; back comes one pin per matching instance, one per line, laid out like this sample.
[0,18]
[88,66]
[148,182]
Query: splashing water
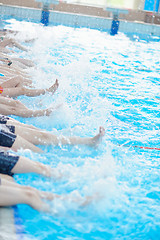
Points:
[113,82]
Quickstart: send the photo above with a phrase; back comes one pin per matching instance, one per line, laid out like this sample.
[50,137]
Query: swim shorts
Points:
[3,119]
[11,128]
[5,127]
[7,162]
[7,138]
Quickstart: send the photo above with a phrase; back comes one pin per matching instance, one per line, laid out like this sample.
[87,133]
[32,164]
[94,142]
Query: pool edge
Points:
[7,224]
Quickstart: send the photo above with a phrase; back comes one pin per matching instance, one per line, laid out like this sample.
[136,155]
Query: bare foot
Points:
[52,173]
[86,200]
[41,194]
[89,199]
[54,87]
[46,195]
[56,174]
[52,109]
[44,208]
[96,140]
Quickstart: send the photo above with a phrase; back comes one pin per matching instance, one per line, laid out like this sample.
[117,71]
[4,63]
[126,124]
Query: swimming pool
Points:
[108,81]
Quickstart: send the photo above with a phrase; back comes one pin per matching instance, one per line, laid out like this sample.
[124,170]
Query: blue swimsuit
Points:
[7,162]
[3,119]
[7,138]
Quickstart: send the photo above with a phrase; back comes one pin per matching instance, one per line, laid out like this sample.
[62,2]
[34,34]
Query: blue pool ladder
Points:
[115,19]
[45,10]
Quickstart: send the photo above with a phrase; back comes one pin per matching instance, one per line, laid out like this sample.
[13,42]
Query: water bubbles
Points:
[105,81]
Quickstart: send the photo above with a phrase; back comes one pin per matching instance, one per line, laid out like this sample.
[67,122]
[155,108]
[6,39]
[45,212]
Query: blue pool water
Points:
[108,81]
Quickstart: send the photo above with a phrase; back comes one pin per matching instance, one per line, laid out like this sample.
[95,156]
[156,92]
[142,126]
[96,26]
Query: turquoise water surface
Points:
[104,81]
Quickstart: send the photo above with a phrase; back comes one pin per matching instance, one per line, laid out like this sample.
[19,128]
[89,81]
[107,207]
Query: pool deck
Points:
[133,14]
[7,226]
[81,20]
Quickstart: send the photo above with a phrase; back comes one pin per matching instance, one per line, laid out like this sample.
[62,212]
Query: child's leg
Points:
[25,165]
[12,195]
[22,143]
